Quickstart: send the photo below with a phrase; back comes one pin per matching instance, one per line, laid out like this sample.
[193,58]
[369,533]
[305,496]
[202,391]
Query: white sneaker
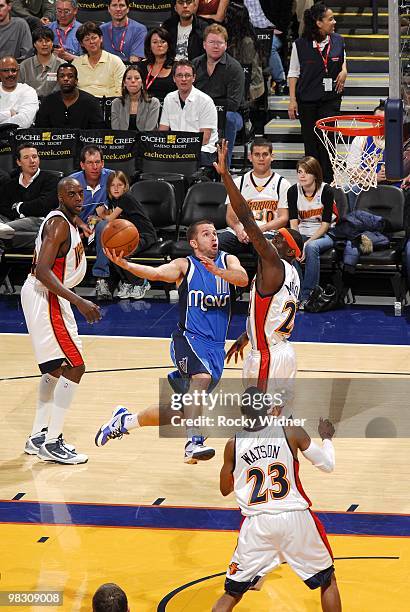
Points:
[58,451]
[138,291]
[195,450]
[125,292]
[102,290]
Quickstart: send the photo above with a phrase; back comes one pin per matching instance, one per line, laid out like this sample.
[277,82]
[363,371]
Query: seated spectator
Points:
[122,36]
[243,46]
[266,194]
[221,77]
[35,12]
[27,197]
[110,598]
[121,203]
[213,10]
[70,107]
[65,28]
[311,212]
[15,36]
[18,101]
[40,71]
[135,110]
[156,70]
[186,29]
[190,110]
[93,178]
[99,73]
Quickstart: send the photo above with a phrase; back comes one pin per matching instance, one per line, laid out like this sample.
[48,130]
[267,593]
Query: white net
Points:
[355,159]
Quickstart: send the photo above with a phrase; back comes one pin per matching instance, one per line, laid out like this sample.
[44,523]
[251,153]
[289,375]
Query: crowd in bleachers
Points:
[202,70]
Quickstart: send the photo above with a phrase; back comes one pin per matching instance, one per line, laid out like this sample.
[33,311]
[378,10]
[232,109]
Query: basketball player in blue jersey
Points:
[205,283]
[261,467]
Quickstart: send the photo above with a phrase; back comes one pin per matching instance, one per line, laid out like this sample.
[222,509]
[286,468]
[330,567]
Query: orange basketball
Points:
[120,235]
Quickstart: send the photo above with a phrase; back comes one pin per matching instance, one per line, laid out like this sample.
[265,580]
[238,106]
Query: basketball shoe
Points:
[36,441]
[195,450]
[114,428]
[58,451]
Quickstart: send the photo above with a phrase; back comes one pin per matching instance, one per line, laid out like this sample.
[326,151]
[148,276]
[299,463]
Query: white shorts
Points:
[273,372]
[267,540]
[52,327]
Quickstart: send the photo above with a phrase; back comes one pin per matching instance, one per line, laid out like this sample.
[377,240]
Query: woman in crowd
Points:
[122,203]
[317,74]
[156,69]
[312,210]
[40,71]
[135,110]
[213,10]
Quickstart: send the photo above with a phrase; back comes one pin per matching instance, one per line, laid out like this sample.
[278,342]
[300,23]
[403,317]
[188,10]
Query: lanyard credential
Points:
[122,39]
[65,33]
[324,58]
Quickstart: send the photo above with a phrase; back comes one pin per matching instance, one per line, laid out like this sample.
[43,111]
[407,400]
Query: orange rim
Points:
[374,127]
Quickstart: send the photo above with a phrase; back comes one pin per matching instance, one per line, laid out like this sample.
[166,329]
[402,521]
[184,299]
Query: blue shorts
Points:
[193,356]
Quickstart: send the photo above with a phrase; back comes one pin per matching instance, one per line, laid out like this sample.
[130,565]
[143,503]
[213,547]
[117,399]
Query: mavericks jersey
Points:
[205,301]
[266,474]
[271,318]
[71,268]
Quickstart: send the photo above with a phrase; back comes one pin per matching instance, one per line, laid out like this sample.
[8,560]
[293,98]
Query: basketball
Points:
[120,235]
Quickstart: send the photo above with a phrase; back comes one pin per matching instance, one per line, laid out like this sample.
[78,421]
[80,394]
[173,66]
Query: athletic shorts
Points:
[52,327]
[267,540]
[193,356]
[273,371]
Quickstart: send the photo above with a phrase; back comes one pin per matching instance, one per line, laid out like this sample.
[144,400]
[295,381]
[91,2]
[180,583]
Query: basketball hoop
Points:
[354,167]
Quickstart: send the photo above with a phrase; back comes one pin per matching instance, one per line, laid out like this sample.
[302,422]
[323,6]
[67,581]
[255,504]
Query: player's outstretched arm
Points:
[234,273]
[55,235]
[321,457]
[226,475]
[168,273]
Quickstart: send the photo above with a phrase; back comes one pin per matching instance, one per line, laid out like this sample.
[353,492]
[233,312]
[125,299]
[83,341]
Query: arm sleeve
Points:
[164,115]
[322,458]
[115,114]
[96,115]
[292,195]
[41,205]
[153,114]
[27,109]
[283,193]
[26,43]
[48,9]
[208,117]
[19,10]
[43,115]
[118,71]
[294,64]
[234,87]
[137,47]
[327,201]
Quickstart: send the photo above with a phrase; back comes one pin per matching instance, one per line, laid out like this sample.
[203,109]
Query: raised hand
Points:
[221,165]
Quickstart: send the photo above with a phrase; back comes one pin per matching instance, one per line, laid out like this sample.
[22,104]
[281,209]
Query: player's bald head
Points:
[67,183]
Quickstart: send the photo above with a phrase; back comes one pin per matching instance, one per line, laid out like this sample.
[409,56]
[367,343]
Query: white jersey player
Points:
[58,265]
[261,467]
[271,362]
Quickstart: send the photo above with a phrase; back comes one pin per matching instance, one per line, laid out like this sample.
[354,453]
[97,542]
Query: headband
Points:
[290,241]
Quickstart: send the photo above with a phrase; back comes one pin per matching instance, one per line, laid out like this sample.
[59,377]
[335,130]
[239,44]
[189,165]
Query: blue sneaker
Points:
[114,428]
[195,450]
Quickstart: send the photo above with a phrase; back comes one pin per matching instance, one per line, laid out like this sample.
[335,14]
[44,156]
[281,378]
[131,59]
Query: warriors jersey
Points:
[266,478]
[271,318]
[263,195]
[205,301]
[71,268]
[312,210]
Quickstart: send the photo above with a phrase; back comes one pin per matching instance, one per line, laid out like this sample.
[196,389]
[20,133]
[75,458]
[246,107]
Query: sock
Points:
[44,402]
[63,397]
[192,431]
[131,421]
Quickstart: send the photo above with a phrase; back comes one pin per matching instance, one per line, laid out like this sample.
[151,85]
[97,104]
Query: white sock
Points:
[131,421]
[63,397]
[44,402]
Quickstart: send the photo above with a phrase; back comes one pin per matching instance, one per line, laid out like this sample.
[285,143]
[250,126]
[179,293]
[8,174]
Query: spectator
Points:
[28,196]
[122,36]
[110,598]
[317,74]
[70,107]
[18,101]
[190,110]
[93,178]
[243,46]
[40,71]
[214,10]
[35,12]
[65,29]
[266,194]
[15,37]
[135,110]
[99,72]
[221,77]
[123,204]
[312,210]
[186,29]
[156,70]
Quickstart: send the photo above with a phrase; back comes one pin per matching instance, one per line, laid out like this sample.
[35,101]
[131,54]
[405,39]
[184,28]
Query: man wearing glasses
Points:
[15,37]
[186,29]
[65,27]
[221,76]
[18,101]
